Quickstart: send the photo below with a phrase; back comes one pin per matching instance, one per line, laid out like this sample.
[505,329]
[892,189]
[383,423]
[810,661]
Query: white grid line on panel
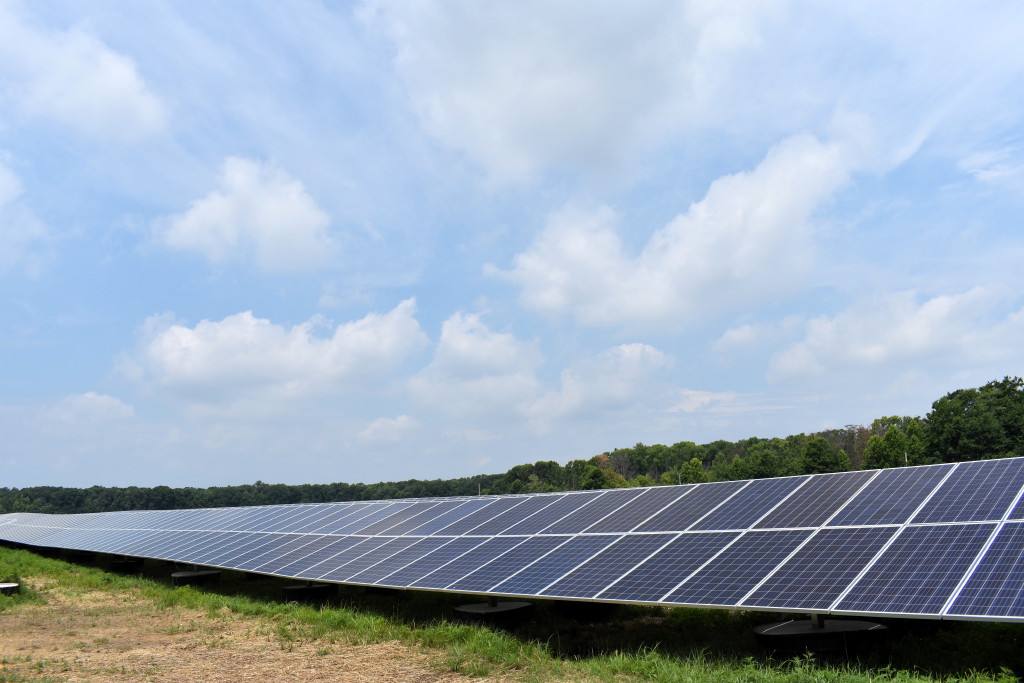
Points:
[885,546]
[726,500]
[981,554]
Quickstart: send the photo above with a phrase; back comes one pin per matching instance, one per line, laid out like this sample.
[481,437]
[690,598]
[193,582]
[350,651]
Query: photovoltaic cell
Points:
[493,572]
[731,575]
[817,500]
[919,571]
[551,514]
[496,507]
[445,518]
[997,585]
[421,547]
[606,504]
[524,510]
[679,515]
[754,502]
[640,509]
[398,517]
[299,561]
[434,511]
[342,570]
[454,570]
[892,496]
[554,565]
[655,577]
[819,572]
[596,574]
[433,560]
[958,499]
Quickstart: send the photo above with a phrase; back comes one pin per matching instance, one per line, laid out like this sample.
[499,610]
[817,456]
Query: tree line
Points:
[966,424]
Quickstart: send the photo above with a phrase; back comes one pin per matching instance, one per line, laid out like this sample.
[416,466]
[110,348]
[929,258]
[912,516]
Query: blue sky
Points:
[317,241]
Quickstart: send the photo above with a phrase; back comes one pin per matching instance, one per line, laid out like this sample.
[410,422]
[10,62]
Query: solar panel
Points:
[918,572]
[938,541]
[959,501]
[997,585]
[819,571]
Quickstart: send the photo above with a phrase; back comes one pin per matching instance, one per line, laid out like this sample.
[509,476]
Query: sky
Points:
[371,241]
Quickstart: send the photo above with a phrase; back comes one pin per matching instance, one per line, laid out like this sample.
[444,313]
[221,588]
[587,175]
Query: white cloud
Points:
[244,358]
[73,79]
[749,238]
[970,330]
[259,212]
[21,233]
[476,371]
[696,401]
[388,429]
[618,379]
[536,84]
[91,408]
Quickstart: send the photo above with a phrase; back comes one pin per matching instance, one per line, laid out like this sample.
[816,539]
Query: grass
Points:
[577,642]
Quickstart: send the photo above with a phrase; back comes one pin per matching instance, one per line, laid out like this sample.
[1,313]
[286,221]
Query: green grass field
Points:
[561,641]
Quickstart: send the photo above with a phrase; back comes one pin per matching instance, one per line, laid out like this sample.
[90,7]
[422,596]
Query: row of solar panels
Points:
[934,541]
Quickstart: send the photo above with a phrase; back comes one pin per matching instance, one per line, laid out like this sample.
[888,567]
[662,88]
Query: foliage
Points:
[967,424]
[975,424]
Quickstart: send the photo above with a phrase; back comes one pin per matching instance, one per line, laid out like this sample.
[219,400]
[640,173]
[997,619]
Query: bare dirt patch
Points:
[119,636]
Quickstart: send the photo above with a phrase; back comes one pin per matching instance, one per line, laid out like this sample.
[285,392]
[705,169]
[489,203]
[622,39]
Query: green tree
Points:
[821,456]
[974,424]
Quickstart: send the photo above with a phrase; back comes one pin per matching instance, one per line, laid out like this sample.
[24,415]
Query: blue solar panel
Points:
[445,518]
[554,565]
[996,588]
[923,541]
[819,572]
[491,573]
[433,560]
[817,500]
[372,556]
[919,571]
[525,510]
[958,500]
[553,513]
[892,496]
[444,576]
[432,512]
[472,520]
[300,560]
[731,575]
[666,569]
[608,503]
[683,512]
[756,501]
[596,574]
[399,560]
[639,510]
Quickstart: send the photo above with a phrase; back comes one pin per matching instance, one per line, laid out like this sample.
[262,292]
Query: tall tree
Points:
[974,424]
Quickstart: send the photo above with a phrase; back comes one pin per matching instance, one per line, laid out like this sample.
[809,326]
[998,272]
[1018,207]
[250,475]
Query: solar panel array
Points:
[938,541]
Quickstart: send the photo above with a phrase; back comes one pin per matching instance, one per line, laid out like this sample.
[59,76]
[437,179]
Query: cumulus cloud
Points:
[386,429]
[522,87]
[617,379]
[259,212]
[970,329]
[243,357]
[91,408]
[22,235]
[73,79]
[476,371]
[749,238]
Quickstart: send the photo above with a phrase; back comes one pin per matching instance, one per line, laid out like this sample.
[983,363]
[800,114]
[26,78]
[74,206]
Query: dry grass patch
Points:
[121,636]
